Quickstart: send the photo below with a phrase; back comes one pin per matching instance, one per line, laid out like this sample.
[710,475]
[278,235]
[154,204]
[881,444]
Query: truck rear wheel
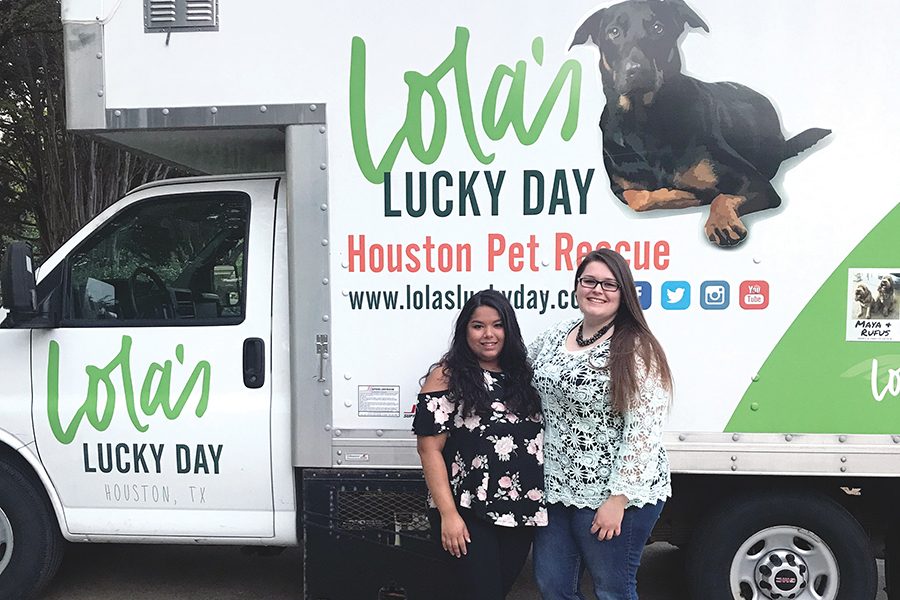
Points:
[780,546]
[892,563]
[30,542]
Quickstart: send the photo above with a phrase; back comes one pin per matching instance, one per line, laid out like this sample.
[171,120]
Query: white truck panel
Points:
[16,389]
[285,53]
[87,11]
[424,159]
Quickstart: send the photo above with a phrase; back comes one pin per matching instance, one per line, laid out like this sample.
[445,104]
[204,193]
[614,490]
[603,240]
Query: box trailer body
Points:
[363,169]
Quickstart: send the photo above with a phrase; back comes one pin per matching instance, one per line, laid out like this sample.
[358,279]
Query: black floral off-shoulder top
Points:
[494,462]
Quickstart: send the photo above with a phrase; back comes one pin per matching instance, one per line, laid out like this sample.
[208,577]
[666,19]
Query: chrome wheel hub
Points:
[781,574]
[6,541]
[784,562]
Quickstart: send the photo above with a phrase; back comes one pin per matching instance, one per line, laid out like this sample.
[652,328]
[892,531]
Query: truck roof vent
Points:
[181,15]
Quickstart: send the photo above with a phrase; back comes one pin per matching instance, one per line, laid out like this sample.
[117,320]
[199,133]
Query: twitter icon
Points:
[675,295]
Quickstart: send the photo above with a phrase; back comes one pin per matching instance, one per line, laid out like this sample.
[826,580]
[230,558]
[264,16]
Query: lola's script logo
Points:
[497,115]
[892,386]
[155,392]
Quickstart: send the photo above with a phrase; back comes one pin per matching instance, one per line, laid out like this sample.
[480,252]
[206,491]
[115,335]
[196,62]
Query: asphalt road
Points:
[115,572]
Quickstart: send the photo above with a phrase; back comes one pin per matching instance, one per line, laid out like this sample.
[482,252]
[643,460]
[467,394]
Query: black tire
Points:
[32,544]
[816,531]
[892,564]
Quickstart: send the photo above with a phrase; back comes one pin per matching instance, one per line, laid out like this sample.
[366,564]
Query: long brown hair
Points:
[465,375]
[631,336]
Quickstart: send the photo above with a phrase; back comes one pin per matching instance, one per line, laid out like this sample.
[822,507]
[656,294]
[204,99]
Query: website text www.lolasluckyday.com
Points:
[430,297]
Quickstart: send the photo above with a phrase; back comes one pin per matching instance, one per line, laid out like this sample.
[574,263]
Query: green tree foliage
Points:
[52,181]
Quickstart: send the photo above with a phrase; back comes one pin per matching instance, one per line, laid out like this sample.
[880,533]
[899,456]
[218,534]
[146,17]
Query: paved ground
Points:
[114,572]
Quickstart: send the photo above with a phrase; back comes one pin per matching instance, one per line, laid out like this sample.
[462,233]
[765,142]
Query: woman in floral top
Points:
[480,439]
[605,387]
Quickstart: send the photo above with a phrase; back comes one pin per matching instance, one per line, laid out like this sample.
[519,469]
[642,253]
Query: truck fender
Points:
[15,446]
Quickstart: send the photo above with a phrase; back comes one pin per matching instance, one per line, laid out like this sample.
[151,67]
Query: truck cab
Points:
[143,391]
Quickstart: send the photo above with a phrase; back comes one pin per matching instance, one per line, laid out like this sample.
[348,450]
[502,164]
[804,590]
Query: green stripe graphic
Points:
[816,382]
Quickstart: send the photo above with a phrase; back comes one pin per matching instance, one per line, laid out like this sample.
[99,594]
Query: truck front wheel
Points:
[30,542]
[782,545]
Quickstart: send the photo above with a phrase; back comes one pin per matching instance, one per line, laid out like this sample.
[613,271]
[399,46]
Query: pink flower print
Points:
[478,462]
[454,469]
[507,520]
[489,381]
[472,421]
[504,447]
[481,490]
[513,494]
[534,494]
[498,407]
[512,418]
[540,517]
[439,406]
[505,481]
[447,405]
[536,447]
[465,499]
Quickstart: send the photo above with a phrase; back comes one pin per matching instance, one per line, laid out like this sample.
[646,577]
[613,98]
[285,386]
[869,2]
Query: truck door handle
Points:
[254,363]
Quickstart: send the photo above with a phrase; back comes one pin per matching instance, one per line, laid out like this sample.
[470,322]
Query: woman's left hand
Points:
[607,522]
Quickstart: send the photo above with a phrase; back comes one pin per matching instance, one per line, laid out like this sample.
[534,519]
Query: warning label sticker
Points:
[379,400]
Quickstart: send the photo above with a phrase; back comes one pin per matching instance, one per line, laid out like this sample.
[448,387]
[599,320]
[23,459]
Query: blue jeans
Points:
[566,546]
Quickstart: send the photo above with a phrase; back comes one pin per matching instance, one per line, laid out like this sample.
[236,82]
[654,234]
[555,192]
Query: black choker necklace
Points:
[579,338]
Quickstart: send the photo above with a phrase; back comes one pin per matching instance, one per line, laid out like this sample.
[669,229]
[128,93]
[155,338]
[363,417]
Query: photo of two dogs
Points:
[671,141]
[880,303]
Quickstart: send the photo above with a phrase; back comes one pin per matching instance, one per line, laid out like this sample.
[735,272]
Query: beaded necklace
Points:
[579,337]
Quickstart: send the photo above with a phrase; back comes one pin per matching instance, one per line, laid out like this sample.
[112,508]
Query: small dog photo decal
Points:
[874,294]
[671,141]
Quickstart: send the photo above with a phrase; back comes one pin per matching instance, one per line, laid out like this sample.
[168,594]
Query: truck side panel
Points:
[15,393]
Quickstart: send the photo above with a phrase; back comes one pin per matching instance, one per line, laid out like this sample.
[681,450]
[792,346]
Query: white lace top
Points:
[590,451]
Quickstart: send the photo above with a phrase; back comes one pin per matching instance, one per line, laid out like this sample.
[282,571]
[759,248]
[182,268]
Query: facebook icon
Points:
[645,293]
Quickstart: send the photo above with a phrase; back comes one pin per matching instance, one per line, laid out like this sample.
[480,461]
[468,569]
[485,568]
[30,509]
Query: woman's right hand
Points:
[454,534]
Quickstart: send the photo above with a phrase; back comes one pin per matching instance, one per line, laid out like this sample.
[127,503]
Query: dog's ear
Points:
[687,14]
[589,30]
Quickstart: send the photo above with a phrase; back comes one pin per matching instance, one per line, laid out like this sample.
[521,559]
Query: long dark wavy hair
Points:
[631,335]
[461,367]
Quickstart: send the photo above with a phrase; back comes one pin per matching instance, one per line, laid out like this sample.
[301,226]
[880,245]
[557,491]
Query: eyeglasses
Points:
[607,285]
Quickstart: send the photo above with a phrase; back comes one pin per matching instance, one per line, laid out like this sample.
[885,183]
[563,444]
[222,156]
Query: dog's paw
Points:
[638,200]
[731,234]
[724,227]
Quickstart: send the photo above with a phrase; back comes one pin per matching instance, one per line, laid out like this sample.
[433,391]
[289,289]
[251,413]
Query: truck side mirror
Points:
[17,282]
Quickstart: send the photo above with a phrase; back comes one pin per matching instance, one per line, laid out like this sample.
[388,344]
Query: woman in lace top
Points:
[480,439]
[605,387]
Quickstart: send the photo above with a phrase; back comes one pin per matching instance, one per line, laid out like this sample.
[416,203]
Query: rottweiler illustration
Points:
[671,141]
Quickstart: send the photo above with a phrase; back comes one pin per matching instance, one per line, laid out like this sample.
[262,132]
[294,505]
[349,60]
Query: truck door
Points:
[152,397]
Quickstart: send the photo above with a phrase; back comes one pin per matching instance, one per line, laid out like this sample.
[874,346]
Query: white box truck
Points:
[234,358]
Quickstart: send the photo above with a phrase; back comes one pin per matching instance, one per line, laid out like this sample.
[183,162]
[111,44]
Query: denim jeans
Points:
[566,546]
